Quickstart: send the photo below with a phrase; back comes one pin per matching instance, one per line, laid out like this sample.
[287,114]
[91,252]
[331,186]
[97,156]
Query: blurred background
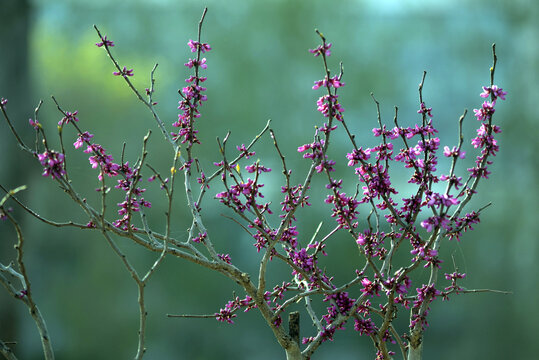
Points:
[260,69]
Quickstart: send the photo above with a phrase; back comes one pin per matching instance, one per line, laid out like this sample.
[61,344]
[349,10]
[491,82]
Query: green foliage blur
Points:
[260,69]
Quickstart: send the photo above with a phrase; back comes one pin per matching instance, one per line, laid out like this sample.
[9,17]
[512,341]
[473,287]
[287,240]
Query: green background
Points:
[260,69]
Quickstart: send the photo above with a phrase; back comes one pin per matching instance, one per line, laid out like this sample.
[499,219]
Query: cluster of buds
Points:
[192,96]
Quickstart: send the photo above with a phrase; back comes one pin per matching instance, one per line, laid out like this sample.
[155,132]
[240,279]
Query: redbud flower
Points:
[194,62]
[53,163]
[370,287]
[105,42]
[364,326]
[68,118]
[195,45]
[200,237]
[424,110]
[494,90]
[124,72]
[485,112]
[321,49]
[225,257]
[454,152]
[436,221]
[35,124]
[84,137]
[454,276]
[334,82]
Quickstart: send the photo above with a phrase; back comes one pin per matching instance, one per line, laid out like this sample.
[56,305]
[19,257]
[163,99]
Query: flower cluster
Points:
[425,295]
[485,138]
[322,49]
[454,277]
[53,163]
[100,159]
[330,107]
[340,304]
[463,224]
[69,117]
[328,104]
[344,209]
[200,237]
[195,46]
[127,183]
[124,72]
[271,298]
[192,96]
[378,191]
[133,196]
[292,199]
[243,195]
[372,243]
[104,42]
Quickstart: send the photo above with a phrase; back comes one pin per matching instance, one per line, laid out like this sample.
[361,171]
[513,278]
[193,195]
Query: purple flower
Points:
[485,141]
[124,72]
[453,180]
[332,82]
[365,326]
[322,49]
[435,221]
[437,199]
[105,42]
[467,221]
[479,171]
[257,167]
[53,163]
[494,91]
[486,111]
[370,288]
[426,292]
[356,155]
[329,104]
[194,62]
[202,180]
[3,102]
[225,257]
[83,138]
[244,151]
[101,159]
[361,239]
[344,208]
[303,260]
[225,315]
[195,45]
[69,117]
[424,110]
[200,238]
[392,134]
[193,77]
[35,124]
[454,152]
[454,276]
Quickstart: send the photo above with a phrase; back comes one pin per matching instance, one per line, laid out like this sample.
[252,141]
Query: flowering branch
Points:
[377,288]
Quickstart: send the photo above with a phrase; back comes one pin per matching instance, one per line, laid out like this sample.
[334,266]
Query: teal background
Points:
[260,69]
